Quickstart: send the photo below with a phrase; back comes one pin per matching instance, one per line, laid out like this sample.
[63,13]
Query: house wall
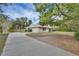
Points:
[35,30]
[47,30]
[39,30]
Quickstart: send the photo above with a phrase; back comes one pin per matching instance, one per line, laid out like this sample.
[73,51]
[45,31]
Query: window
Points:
[44,29]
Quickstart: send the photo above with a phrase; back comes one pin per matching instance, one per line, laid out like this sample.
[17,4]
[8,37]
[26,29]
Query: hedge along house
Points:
[39,28]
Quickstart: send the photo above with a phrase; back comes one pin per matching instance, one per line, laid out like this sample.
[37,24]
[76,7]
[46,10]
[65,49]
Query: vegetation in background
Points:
[67,14]
[3,21]
[3,17]
[1,29]
[20,24]
[77,35]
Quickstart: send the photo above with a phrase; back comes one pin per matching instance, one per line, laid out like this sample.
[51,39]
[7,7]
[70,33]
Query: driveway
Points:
[18,44]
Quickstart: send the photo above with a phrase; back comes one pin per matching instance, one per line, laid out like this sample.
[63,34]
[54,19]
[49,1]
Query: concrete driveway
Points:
[18,44]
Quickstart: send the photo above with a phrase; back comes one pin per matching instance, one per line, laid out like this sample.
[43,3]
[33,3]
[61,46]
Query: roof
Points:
[34,25]
[38,26]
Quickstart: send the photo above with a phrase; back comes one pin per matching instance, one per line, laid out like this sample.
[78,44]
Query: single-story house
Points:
[39,28]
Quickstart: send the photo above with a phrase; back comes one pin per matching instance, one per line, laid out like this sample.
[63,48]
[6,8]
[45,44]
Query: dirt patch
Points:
[66,42]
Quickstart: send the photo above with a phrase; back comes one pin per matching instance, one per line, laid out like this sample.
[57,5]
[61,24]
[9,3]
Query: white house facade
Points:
[39,28]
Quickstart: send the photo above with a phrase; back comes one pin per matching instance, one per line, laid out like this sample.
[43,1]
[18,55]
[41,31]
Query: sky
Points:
[22,10]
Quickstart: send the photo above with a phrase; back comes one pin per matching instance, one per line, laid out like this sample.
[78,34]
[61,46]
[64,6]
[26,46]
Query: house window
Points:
[44,29]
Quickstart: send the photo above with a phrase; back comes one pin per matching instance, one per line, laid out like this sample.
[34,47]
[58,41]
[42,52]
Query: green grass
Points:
[2,41]
[77,35]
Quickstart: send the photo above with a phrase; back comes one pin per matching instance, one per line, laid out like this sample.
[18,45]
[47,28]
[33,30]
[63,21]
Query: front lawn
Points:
[2,41]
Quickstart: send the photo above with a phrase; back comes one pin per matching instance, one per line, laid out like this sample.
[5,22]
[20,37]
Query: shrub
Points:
[77,35]
[1,29]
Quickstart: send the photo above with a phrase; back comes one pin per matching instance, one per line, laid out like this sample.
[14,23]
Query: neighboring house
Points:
[39,28]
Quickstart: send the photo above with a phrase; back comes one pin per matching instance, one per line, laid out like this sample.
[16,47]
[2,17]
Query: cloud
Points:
[34,16]
[22,10]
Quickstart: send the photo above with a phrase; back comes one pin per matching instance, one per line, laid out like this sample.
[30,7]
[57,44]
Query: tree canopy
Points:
[68,11]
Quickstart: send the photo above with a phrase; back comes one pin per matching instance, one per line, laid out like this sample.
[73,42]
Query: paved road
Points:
[18,44]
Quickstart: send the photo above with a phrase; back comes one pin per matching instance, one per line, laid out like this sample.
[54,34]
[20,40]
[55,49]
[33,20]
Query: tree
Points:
[68,11]
[3,17]
[3,21]
[20,23]
[70,16]
[45,13]
[29,22]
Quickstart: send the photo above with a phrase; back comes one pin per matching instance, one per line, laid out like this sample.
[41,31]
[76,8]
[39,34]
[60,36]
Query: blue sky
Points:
[22,10]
